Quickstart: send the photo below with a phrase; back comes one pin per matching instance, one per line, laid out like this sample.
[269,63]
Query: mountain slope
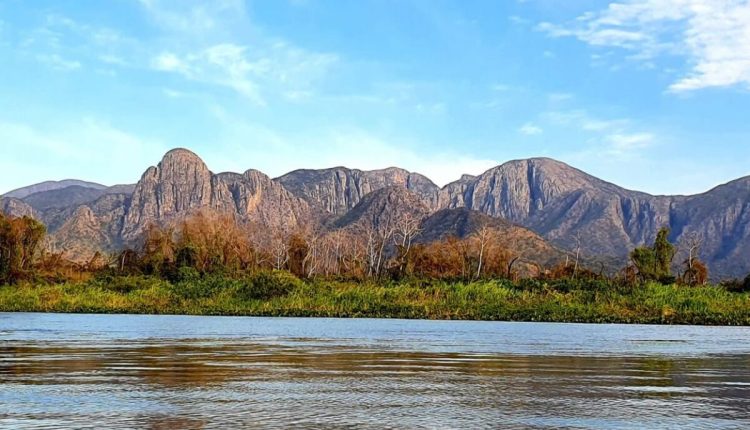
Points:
[182,184]
[462,223]
[21,193]
[73,195]
[385,209]
[339,189]
[566,206]
[562,204]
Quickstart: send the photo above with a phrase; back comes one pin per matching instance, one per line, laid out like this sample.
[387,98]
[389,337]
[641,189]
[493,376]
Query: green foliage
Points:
[664,252]
[654,263]
[193,288]
[282,294]
[187,274]
[267,285]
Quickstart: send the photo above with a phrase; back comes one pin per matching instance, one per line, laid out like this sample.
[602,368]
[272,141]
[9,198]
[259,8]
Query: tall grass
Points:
[281,294]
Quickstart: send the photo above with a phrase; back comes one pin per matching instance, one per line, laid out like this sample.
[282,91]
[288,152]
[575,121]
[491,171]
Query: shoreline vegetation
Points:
[212,266]
[279,293]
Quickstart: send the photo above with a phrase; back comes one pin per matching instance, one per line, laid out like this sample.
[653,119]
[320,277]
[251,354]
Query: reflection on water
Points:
[182,372]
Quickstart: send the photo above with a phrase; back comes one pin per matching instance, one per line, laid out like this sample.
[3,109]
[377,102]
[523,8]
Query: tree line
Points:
[206,243]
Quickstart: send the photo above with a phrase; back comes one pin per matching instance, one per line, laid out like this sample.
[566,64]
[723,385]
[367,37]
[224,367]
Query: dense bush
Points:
[737,285]
[267,285]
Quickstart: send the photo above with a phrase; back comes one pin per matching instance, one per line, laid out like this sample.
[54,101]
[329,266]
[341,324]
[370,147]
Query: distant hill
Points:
[462,223]
[24,192]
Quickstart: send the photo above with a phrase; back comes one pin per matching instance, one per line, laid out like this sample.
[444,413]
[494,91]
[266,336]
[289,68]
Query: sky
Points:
[653,95]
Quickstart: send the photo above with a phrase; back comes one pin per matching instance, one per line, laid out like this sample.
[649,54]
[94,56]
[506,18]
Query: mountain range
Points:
[553,205]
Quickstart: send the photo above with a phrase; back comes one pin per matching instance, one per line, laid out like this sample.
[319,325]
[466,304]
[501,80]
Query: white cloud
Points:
[714,35]
[169,62]
[219,46]
[66,45]
[275,67]
[618,138]
[530,129]
[620,143]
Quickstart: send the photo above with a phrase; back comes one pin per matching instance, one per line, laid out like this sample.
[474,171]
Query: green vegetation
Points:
[208,266]
[279,293]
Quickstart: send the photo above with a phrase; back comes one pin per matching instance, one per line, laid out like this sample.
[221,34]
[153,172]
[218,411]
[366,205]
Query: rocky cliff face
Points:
[258,199]
[182,184]
[566,205]
[560,203]
[339,189]
[16,208]
[80,231]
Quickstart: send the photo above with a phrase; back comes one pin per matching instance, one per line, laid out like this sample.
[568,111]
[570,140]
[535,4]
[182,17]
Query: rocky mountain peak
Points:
[181,157]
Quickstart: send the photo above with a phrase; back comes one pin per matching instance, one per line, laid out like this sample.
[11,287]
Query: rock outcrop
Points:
[568,206]
[16,208]
[338,190]
[182,184]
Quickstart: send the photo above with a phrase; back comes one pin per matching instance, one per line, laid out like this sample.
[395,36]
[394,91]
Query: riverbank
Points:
[280,294]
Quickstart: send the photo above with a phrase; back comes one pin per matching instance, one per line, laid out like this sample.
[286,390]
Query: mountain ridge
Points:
[563,204]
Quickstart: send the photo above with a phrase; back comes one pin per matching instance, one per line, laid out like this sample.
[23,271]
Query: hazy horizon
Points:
[649,95]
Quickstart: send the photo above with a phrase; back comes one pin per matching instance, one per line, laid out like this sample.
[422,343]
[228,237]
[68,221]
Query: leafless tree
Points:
[316,248]
[484,237]
[404,232]
[691,243]
[378,235]
[577,239]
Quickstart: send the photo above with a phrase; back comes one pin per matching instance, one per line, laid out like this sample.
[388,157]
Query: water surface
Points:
[117,371]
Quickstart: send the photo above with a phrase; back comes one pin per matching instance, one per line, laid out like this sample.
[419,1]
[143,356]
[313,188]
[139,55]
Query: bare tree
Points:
[691,243]
[316,248]
[377,236]
[404,232]
[484,236]
[577,239]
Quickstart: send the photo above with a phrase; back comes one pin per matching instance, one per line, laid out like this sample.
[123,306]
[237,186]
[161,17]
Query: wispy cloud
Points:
[251,73]
[714,35]
[618,137]
[64,44]
[193,17]
[621,144]
[226,50]
[529,129]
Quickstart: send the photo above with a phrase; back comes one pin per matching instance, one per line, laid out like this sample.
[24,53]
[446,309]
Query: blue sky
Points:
[650,94]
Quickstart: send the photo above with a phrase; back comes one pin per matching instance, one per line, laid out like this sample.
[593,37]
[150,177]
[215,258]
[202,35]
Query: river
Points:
[164,372]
